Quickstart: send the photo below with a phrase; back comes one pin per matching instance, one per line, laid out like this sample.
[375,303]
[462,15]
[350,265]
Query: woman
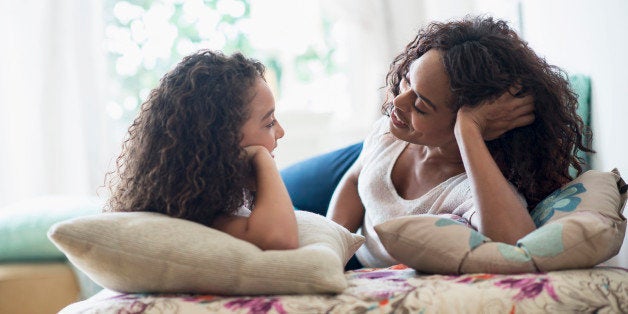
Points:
[460,136]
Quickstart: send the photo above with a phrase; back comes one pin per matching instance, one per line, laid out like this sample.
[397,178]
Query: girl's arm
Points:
[272,224]
[500,215]
[346,207]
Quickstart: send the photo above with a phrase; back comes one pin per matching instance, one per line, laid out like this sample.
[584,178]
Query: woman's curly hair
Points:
[485,58]
[182,156]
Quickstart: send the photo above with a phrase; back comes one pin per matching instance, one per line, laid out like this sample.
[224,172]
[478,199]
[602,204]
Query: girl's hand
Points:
[494,118]
[253,150]
[272,224]
[256,155]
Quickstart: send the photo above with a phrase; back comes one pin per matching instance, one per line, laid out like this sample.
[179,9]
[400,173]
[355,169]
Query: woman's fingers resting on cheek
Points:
[496,117]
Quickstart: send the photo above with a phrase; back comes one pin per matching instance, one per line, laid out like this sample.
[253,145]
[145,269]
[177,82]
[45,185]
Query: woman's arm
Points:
[500,215]
[346,207]
[272,224]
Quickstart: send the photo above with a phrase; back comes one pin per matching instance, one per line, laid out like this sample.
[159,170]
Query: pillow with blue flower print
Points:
[578,226]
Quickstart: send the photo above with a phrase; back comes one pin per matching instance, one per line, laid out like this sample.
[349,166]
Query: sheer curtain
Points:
[372,32]
[56,136]
[53,127]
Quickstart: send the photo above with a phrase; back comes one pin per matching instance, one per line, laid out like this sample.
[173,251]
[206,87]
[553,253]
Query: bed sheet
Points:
[399,289]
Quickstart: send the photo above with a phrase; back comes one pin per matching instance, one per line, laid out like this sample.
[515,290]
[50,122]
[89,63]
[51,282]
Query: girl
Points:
[459,136]
[201,149]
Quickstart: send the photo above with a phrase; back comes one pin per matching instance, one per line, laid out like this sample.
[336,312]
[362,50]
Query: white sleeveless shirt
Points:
[382,202]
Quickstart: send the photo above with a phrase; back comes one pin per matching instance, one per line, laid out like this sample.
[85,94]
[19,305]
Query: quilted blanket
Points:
[399,289]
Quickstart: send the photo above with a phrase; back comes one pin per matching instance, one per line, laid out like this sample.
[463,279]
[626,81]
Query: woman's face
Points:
[262,128]
[420,113]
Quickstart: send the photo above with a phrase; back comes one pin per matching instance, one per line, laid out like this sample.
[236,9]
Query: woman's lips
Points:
[396,121]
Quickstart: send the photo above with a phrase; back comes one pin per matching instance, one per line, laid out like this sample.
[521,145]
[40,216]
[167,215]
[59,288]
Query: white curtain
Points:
[55,135]
[371,33]
[53,127]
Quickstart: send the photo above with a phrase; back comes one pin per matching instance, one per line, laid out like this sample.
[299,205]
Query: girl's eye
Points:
[271,124]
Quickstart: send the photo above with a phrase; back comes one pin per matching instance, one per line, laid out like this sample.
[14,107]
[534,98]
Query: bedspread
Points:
[400,289]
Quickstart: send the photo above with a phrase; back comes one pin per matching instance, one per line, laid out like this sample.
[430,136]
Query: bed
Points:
[559,268]
[400,289]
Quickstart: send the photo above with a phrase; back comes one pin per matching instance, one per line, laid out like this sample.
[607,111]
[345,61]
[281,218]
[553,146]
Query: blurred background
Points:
[73,73]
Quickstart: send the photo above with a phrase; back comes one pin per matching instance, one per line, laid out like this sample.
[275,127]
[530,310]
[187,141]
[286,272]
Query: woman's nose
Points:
[402,100]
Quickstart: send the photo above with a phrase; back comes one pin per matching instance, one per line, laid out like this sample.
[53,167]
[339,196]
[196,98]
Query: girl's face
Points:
[262,128]
[420,113]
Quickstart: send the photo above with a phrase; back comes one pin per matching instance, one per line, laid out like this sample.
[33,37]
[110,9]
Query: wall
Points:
[373,32]
[590,37]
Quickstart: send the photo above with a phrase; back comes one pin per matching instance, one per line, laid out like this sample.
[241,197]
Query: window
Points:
[146,38]
[298,41]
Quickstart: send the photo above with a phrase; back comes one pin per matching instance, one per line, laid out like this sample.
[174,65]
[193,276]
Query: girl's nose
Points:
[280,131]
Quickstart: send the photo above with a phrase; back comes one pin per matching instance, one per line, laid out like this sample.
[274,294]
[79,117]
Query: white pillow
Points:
[149,252]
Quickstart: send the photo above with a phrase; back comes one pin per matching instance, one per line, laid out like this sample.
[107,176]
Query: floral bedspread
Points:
[399,289]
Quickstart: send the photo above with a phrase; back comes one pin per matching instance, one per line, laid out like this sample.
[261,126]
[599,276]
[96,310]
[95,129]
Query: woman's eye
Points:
[271,124]
[419,110]
[416,107]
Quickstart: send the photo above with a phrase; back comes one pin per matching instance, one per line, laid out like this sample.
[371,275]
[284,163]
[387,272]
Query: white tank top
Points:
[382,202]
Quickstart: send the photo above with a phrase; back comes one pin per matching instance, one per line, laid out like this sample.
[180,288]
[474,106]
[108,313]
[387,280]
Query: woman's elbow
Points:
[508,236]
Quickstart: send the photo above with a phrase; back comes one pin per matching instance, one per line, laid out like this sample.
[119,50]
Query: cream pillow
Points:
[579,226]
[150,252]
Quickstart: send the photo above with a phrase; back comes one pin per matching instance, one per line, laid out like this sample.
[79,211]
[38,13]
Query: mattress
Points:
[400,289]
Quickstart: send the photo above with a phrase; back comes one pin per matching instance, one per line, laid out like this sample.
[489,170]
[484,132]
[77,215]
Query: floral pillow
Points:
[578,226]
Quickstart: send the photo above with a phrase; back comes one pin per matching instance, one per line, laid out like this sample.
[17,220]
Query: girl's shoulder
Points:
[242,212]
[229,222]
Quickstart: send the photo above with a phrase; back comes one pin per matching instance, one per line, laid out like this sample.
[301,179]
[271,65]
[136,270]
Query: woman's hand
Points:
[500,214]
[494,118]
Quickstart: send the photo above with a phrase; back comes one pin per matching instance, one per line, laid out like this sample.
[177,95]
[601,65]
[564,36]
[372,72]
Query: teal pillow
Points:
[24,225]
[581,85]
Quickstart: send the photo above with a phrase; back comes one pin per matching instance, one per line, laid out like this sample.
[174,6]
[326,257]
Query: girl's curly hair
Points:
[182,156]
[485,58]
